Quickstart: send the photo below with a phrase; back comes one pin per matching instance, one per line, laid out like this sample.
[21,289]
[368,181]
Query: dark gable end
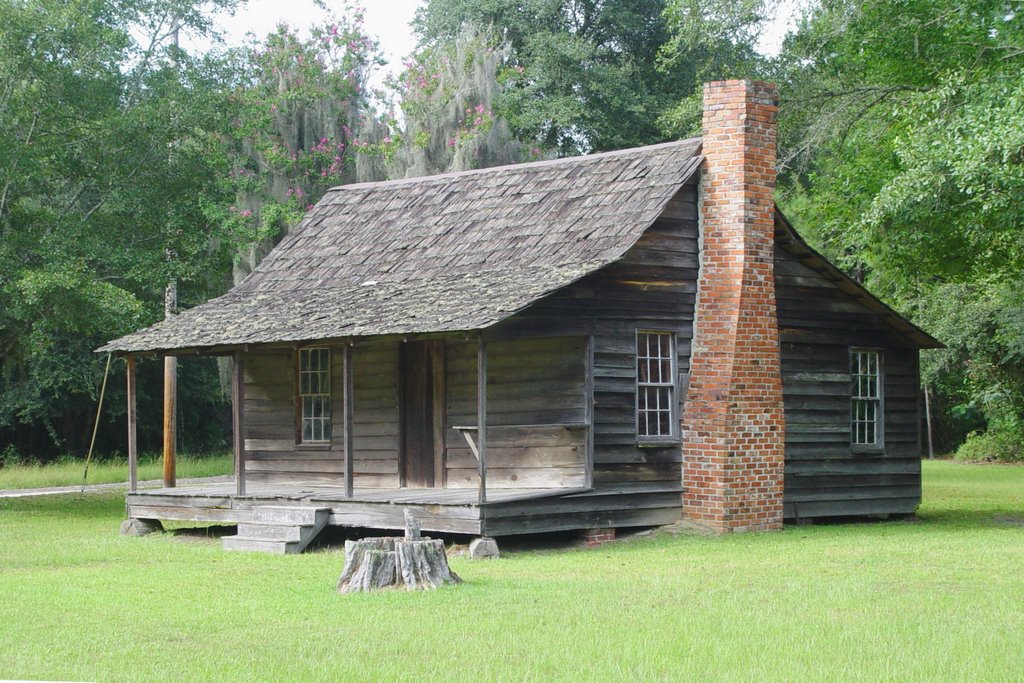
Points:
[787,240]
[445,253]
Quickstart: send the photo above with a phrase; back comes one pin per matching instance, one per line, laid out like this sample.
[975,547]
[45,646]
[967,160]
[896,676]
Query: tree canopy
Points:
[903,142]
[127,162]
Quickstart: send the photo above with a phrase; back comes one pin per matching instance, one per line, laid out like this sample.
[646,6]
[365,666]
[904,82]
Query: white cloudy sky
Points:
[388,21]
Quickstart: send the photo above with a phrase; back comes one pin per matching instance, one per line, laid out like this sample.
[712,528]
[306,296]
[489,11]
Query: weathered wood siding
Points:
[375,418]
[535,413]
[272,454]
[652,287]
[825,476]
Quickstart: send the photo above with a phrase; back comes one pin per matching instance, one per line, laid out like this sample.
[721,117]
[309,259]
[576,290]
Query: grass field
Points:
[937,599]
[69,472]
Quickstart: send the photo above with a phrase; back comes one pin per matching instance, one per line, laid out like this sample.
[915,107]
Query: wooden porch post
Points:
[588,412]
[133,446]
[346,381]
[238,420]
[481,417]
[170,420]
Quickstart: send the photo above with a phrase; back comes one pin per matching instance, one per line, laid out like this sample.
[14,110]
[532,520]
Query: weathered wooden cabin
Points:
[614,340]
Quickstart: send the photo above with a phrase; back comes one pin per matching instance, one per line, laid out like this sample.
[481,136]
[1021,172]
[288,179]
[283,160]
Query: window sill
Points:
[313,446]
[868,450]
[660,443]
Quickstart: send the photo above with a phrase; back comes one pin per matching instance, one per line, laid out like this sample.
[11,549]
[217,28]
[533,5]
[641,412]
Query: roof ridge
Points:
[583,158]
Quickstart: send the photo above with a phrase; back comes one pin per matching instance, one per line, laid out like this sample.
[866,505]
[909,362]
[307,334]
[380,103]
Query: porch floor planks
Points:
[452,510]
[410,496]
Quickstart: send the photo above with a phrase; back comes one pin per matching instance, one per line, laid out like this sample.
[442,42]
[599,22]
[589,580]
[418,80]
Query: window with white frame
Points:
[865,398]
[315,394]
[655,386]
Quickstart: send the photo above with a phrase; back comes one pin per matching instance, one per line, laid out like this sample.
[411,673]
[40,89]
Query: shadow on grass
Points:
[332,539]
[962,513]
[988,518]
[202,533]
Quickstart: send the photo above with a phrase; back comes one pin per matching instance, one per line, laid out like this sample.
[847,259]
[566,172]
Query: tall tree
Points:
[584,75]
[446,96]
[299,107]
[591,75]
[903,129]
[708,40]
[108,157]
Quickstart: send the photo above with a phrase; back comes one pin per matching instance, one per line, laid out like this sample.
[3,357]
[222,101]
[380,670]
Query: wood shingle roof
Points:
[446,253]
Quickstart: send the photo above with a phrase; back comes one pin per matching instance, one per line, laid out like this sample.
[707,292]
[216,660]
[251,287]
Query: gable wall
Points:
[823,475]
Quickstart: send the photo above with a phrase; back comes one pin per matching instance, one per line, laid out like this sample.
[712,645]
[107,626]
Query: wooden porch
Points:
[406,434]
[455,510]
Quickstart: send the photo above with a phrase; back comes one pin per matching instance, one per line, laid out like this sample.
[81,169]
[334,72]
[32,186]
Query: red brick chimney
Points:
[733,421]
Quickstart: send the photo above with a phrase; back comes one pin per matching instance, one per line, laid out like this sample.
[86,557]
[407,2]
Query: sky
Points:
[388,21]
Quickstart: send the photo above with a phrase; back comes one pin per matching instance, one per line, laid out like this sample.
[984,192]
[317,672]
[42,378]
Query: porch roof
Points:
[445,253]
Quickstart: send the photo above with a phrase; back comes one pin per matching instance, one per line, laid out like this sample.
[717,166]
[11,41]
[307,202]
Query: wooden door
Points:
[422,407]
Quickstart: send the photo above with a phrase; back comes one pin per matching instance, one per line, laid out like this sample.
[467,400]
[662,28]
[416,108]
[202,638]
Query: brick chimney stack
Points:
[733,420]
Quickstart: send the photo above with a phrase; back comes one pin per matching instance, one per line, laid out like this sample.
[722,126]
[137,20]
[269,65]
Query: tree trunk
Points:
[369,564]
[381,562]
[423,564]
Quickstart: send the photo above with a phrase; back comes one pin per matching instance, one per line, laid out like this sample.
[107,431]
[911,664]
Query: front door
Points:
[422,384]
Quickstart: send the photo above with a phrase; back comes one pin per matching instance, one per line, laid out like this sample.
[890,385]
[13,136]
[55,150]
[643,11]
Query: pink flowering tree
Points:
[445,102]
[299,108]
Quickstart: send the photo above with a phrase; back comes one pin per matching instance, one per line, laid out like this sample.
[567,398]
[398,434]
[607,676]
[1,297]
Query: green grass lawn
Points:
[68,472]
[937,599]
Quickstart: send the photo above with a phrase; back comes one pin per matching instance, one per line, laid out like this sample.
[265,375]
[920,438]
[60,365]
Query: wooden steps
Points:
[278,529]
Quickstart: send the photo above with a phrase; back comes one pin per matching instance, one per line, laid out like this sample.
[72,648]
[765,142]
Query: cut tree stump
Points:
[369,564]
[414,562]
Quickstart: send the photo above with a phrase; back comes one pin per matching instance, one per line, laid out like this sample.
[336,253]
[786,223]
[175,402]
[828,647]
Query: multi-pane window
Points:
[315,394]
[866,398]
[655,385]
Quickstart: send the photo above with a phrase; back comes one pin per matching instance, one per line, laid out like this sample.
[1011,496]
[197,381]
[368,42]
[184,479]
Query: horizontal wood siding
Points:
[375,418]
[824,475]
[272,454]
[652,287]
[534,388]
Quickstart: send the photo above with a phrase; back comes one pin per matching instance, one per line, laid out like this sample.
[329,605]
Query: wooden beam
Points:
[297,394]
[438,358]
[170,420]
[133,442]
[238,419]
[481,417]
[588,410]
[346,387]
[466,434]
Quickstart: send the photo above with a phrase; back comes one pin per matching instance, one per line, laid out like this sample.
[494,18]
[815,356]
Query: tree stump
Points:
[369,564]
[414,562]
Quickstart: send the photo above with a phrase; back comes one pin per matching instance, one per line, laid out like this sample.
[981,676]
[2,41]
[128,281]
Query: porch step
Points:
[270,531]
[283,514]
[278,529]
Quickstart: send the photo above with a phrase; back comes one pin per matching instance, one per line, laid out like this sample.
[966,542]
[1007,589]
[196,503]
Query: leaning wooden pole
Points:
[928,422]
[481,417]
[133,442]
[238,420]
